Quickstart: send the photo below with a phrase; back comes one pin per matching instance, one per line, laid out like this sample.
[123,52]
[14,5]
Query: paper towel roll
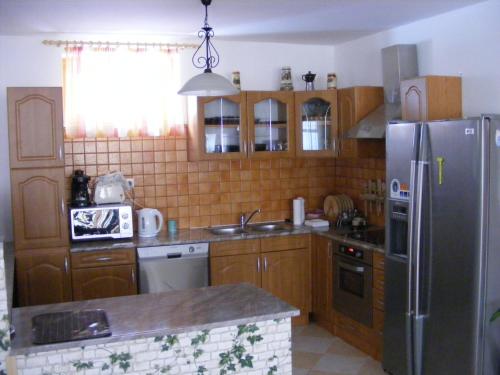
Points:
[298,211]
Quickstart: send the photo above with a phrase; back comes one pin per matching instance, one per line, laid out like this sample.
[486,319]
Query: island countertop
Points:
[149,315]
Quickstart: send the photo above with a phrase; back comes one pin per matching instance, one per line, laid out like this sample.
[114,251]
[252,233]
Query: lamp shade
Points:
[208,84]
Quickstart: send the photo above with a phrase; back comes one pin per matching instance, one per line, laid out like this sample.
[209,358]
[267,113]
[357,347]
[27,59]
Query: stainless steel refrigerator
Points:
[442,275]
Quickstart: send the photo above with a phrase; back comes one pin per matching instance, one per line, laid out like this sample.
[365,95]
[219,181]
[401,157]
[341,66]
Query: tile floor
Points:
[316,352]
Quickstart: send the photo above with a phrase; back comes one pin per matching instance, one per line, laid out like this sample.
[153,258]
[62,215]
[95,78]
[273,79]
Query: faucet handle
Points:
[242,219]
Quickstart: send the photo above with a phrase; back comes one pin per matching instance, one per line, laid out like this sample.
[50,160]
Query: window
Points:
[122,91]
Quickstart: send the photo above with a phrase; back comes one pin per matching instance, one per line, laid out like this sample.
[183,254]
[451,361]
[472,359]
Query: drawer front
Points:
[284,243]
[356,334]
[378,321]
[378,299]
[102,258]
[237,247]
[378,260]
[378,279]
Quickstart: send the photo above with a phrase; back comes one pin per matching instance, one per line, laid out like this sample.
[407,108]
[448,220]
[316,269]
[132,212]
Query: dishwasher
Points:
[173,267]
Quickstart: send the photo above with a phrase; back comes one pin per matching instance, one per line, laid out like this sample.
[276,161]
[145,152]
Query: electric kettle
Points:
[150,222]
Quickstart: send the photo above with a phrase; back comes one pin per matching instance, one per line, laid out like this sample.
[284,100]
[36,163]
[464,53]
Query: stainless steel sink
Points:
[255,228]
[230,230]
[267,227]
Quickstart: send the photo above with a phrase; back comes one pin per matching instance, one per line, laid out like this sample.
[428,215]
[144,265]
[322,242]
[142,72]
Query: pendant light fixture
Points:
[207,83]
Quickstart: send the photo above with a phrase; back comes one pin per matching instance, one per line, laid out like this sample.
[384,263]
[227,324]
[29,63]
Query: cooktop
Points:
[372,236]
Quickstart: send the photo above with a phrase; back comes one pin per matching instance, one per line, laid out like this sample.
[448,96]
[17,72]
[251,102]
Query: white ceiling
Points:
[288,21]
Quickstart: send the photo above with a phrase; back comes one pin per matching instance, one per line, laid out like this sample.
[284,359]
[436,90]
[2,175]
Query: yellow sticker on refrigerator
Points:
[440,161]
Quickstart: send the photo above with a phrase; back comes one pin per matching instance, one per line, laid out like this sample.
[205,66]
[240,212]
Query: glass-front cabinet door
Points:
[222,134]
[316,119]
[270,124]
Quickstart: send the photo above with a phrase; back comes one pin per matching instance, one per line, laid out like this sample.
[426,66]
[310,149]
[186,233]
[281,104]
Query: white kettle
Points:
[150,222]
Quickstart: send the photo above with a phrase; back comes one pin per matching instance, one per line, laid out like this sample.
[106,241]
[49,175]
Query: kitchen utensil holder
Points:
[374,197]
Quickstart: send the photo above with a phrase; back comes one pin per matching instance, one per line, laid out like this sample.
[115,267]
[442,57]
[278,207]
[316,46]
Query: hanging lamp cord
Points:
[211,58]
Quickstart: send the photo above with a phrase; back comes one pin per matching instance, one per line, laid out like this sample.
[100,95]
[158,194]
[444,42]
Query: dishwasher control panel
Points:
[174,251]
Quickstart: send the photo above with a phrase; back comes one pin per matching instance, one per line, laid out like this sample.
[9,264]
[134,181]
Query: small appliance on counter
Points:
[80,196]
[112,221]
[110,188]
[150,222]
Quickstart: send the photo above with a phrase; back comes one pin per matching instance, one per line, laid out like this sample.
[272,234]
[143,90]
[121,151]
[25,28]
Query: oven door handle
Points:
[352,268]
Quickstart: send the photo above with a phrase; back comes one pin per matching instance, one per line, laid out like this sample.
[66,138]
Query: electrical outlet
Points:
[130,183]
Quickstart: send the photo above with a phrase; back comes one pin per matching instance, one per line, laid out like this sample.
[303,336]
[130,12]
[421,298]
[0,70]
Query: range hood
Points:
[399,62]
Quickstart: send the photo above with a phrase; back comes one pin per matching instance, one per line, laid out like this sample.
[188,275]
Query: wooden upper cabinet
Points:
[35,127]
[431,98]
[287,275]
[271,130]
[104,282]
[355,103]
[39,212]
[234,269]
[220,131]
[316,123]
[43,276]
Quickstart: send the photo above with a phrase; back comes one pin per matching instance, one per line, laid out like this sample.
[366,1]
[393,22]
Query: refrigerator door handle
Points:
[423,167]
[409,289]
[418,341]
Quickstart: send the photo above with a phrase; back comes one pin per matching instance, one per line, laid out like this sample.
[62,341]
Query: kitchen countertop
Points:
[160,314]
[184,236]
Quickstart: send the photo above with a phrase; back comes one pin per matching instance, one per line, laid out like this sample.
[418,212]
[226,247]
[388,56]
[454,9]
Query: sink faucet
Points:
[244,219]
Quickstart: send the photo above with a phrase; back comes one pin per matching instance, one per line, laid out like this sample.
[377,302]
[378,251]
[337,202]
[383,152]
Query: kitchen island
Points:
[231,328]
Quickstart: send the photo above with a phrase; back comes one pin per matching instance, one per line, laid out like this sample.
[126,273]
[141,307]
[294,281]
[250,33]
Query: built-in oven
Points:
[353,280]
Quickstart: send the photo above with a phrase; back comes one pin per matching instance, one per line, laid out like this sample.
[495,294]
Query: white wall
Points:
[26,62]
[463,42]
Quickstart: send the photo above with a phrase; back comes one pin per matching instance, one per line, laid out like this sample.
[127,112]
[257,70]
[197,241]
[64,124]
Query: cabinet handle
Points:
[258,264]
[61,152]
[265,264]
[251,147]
[245,147]
[66,264]
[132,276]
[103,259]
[63,207]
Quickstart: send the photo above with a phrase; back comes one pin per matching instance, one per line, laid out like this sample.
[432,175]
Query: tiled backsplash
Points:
[351,176]
[203,193]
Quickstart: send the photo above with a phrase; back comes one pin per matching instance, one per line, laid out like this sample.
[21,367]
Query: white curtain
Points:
[119,92]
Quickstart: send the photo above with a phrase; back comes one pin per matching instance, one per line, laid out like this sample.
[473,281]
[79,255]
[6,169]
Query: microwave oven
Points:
[111,221]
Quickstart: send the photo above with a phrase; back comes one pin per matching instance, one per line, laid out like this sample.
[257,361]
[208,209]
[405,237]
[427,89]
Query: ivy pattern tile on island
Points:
[256,348]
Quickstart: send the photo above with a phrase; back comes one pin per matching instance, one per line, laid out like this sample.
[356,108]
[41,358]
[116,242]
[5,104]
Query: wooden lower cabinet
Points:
[103,274]
[235,269]
[322,281]
[287,275]
[43,276]
[358,335]
[378,302]
[281,265]
[103,282]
